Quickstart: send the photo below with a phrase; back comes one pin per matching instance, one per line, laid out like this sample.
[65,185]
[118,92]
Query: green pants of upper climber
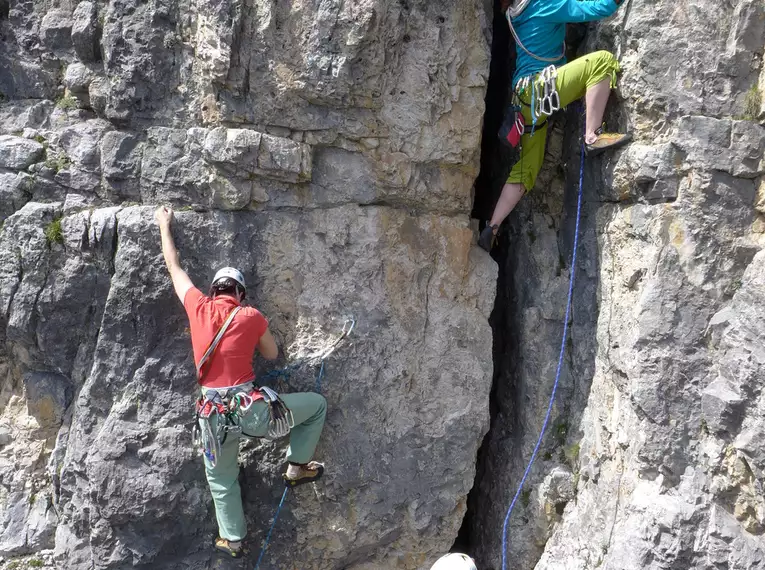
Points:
[308,410]
[572,82]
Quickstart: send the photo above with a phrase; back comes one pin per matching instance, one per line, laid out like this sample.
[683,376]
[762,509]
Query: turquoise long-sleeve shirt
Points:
[542,29]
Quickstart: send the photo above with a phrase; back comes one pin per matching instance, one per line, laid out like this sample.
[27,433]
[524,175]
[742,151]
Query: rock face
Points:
[659,416]
[328,150]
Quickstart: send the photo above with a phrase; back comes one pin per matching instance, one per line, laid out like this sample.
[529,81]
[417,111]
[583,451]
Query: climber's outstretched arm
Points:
[571,11]
[181,281]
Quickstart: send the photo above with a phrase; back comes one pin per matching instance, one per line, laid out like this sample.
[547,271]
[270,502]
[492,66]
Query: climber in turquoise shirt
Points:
[544,81]
[542,29]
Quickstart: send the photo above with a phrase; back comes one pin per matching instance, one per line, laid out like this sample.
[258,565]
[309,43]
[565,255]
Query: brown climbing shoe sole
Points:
[313,466]
[225,546]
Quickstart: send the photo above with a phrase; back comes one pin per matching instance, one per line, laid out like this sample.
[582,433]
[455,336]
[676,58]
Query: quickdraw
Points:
[545,99]
[280,420]
[549,102]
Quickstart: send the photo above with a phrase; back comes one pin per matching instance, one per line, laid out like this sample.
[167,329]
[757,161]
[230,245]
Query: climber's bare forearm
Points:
[169,251]
[181,281]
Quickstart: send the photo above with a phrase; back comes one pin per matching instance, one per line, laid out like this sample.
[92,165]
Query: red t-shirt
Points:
[231,363]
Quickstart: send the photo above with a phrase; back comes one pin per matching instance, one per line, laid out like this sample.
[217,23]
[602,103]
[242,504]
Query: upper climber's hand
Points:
[164,216]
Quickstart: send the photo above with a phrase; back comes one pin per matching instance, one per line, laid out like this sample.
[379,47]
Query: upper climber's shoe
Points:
[606,141]
[225,545]
[487,237]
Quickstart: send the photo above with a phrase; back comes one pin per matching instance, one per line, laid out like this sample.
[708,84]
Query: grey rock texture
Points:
[328,150]
[17,153]
[85,31]
[659,415]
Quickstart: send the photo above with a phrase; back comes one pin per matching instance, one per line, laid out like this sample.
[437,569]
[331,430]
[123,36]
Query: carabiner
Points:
[554,100]
[345,333]
[546,105]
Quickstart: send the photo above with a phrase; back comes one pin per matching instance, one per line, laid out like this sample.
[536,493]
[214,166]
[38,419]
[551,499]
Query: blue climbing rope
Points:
[560,363]
[270,530]
[319,377]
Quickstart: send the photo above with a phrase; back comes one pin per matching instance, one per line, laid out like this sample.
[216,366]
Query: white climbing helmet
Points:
[229,273]
[454,561]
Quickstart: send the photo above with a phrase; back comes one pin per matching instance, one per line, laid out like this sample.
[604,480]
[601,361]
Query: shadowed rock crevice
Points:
[518,402]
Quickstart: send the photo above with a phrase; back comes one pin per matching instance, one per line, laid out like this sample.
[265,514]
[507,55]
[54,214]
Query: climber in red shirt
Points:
[226,376]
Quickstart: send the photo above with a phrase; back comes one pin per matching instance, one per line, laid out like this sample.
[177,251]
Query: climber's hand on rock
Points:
[164,216]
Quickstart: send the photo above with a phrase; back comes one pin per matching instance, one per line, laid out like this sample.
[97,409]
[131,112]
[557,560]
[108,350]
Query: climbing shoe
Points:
[307,473]
[606,141]
[226,546]
[487,237]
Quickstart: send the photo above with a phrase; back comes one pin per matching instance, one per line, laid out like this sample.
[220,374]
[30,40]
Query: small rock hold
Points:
[77,78]
[5,435]
[721,406]
[99,95]
[56,29]
[633,279]
[17,153]
[48,396]
[85,31]
[121,155]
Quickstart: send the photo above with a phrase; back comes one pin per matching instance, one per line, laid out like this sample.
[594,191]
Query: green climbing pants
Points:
[308,410]
[572,82]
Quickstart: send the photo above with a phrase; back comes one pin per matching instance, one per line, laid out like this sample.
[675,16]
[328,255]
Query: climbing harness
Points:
[218,413]
[542,104]
[509,18]
[560,362]
[286,371]
[226,406]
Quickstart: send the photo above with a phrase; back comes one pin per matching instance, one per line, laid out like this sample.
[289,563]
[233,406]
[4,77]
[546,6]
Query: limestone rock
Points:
[121,155]
[56,29]
[18,153]
[329,151]
[5,435]
[244,152]
[98,95]
[78,78]
[81,142]
[15,191]
[48,396]
[85,31]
